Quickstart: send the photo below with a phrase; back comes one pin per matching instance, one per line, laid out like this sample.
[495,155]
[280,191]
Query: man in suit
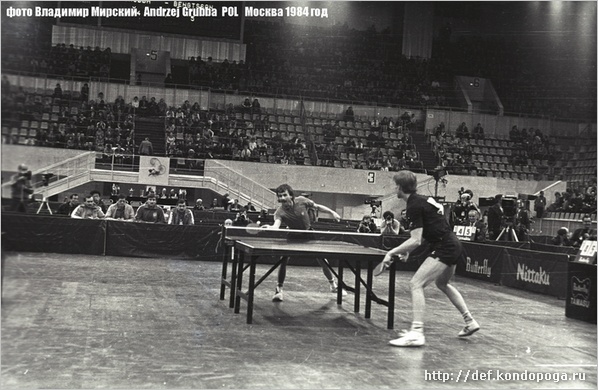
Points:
[495,217]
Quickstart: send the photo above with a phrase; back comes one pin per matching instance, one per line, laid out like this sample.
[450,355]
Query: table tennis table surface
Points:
[292,241]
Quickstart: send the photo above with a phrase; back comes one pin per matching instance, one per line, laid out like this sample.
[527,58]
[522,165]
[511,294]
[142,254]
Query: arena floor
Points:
[72,322]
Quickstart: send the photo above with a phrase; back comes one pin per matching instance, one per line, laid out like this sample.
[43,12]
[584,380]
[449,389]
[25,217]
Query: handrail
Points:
[548,187]
[73,167]
[237,184]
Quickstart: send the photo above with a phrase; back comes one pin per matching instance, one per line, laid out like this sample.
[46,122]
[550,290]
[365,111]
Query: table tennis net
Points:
[362,239]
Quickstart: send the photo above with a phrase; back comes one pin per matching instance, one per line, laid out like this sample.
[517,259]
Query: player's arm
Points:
[325,209]
[413,242]
[275,225]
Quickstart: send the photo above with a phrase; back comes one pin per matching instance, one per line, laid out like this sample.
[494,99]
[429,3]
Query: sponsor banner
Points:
[540,272]
[481,261]
[581,291]
[154,170]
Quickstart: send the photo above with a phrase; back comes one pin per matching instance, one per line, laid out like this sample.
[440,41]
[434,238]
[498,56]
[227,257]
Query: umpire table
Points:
[244,247]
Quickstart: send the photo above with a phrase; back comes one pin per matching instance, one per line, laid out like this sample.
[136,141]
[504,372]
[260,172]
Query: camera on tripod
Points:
[509,206]
[373,202]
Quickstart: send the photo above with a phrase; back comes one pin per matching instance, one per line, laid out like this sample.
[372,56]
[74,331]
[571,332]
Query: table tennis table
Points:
[352,250]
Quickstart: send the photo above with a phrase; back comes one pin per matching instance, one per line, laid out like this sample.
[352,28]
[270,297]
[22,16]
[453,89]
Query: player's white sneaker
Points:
[469,329]
[411,338]
[277,295]
[334,288]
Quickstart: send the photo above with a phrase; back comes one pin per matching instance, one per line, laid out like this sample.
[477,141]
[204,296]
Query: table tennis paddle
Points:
[379,269]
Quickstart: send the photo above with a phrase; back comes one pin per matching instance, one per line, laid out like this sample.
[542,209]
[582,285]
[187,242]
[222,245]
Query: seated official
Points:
[235,206]
[68,207]
[181,215]
[88,210]
[150,212]
[584,233]
[199,205]
[121,210]
[473,219]
[97,198]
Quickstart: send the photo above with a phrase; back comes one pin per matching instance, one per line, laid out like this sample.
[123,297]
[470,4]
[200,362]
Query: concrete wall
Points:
[343,190]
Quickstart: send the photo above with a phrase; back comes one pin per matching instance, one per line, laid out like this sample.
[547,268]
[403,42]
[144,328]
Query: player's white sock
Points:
[417,326]
[467,317]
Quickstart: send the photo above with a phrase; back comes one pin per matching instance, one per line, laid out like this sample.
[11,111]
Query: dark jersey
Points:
[424,212]
[297,217]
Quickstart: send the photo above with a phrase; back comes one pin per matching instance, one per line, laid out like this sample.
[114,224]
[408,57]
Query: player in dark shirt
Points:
[294,212]
[427,222]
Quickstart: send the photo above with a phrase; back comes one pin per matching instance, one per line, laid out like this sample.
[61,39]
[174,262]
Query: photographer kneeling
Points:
[241,219]
[390,225]
[367,225]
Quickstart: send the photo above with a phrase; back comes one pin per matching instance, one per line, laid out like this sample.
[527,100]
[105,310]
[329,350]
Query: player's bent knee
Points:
[442,285]
[415,284]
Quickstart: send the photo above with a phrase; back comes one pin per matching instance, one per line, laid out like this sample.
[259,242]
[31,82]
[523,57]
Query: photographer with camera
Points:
[367,225]
[21,189]
[390,226]
[241,219]
[461,209]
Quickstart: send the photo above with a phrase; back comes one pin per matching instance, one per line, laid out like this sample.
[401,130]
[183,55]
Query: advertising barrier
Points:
[159,240]
[540,272]
[41,233]
[481,261]
[581,291]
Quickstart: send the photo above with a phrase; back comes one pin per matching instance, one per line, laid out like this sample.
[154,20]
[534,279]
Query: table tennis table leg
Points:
[233,278]
[251,289]
[224,272]
[339,293]
[239,284]
[368,292]
[357,286]
[391,294]
[228,254]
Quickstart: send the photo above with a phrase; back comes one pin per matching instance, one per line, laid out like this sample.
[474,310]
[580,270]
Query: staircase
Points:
[426,154]
[153,128]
